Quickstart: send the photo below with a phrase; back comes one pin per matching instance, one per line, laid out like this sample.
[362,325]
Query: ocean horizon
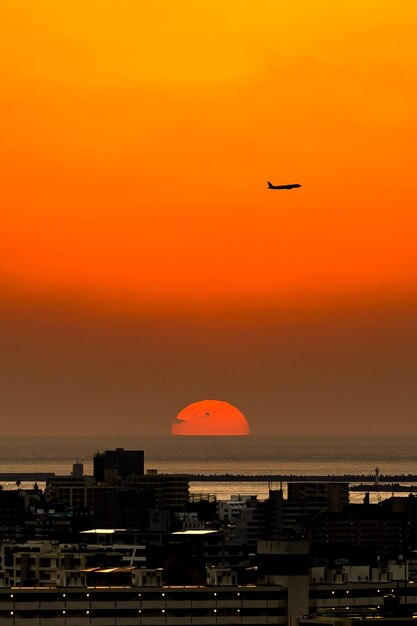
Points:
[254,454]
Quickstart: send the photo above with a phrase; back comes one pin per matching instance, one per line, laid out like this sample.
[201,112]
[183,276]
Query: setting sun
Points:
[210,417]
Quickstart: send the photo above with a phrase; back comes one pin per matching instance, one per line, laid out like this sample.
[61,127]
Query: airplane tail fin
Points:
[270,185]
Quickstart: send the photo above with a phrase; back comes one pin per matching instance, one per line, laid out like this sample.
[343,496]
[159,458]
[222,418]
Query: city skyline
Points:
[145,266]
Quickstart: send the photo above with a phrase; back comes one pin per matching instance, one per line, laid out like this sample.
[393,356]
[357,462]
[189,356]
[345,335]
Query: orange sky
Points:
[137,139]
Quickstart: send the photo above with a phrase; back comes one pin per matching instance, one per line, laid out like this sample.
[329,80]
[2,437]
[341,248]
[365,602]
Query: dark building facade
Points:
[118,463]
[390,527]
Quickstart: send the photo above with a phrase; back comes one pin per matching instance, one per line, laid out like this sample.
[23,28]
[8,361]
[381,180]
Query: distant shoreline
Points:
[390,482]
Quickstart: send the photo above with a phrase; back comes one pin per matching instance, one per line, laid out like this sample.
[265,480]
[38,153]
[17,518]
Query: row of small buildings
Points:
[285,591]
[153,502]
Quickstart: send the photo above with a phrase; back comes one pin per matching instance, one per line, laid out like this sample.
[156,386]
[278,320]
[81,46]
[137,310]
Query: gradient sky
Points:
[143,263]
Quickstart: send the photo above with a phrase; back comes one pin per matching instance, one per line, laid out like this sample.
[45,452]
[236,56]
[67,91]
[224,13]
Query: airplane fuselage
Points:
[293,186]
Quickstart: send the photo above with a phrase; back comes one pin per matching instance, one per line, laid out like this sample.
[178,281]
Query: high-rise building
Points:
[118,463]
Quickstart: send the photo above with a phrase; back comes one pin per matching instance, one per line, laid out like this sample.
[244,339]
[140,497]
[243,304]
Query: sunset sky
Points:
[144,265]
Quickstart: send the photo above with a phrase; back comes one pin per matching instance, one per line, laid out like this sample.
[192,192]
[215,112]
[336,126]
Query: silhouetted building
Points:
[286,563]
[185,555]
[389,526]
[171,491]
[12,514]
[112,464]
[78,470]
[329,496]
[289,518]
[273,516]
[72,491]
[39,562]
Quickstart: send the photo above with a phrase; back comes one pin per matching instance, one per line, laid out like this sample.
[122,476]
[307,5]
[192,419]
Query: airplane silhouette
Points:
[294,186]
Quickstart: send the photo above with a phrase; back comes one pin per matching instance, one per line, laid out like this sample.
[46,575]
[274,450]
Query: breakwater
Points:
[386,482]
[25,476]
[292,478]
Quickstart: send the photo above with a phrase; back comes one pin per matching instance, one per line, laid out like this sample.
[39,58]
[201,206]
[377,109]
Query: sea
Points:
[253,454]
